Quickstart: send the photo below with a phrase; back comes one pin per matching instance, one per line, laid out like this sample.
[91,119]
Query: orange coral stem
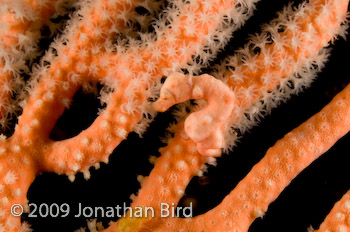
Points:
[282,163]
[55,158]
[11,44]
[147,190]
[338,218]
[312,29]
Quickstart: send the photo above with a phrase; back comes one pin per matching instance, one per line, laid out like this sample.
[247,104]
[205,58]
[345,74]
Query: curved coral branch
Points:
[250,199]
[30,149]
[129,97]
[161,170]
[282,162]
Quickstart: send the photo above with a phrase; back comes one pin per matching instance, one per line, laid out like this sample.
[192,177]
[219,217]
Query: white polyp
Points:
[86,174]
[104,124]
[224,213]
[26,129]
[192,161]
[152,159]
[311,229]
[339,216]
[71,178]
[140,179]
[132,197]
[211,161]
[173,177]
[106,114]
[59,72]
[75,167]
[167,154]
[35,122]
[122,133]
[122,119]
[79,156]
[199,172]
[110,149]
[181,165]
[178,148]
[5,201]
[347,205]
[97,166]
[66,102]
[18,192]
[97,146]
[85,141]
[39,103]
[16,148]
[342,229]
[166,165]
[258,213]
[180,192]
[2,137]
[48,96]
[62,164]
[270,183]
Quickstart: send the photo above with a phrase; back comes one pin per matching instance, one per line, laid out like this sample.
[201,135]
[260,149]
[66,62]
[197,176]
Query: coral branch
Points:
[282,163]
[128,101]
[338,218]
[20,26]
[178,163]
[30,148]
[147,190]
[109,42]
[290,51]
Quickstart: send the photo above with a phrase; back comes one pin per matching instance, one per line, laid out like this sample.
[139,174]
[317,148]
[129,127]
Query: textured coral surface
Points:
[306,201]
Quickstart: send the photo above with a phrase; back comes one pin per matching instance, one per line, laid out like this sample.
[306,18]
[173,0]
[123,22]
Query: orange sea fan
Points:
[121,51]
